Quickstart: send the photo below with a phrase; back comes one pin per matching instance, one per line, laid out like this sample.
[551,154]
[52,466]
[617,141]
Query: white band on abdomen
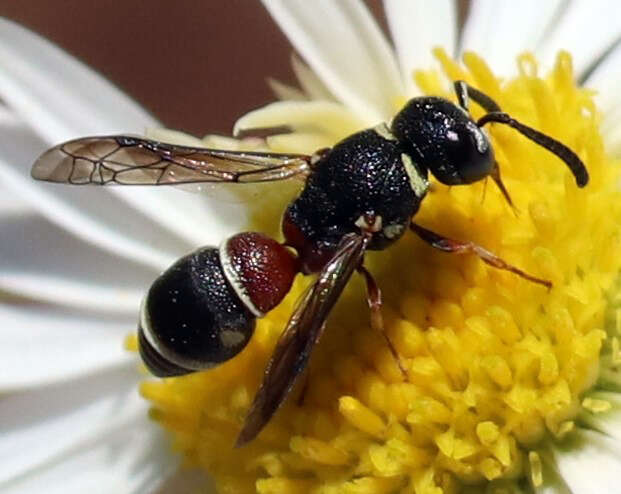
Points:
[233,279]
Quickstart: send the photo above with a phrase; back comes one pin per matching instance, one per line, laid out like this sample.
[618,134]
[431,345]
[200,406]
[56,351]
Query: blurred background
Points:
[195,64]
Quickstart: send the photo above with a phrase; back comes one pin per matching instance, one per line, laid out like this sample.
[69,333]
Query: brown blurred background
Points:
[195,64]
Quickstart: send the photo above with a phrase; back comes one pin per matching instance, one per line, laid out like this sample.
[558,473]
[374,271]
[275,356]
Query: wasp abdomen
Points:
[201,311]
[260,270]
[192,318]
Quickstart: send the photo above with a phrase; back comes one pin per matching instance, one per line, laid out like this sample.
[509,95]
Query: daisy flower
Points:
[510,388]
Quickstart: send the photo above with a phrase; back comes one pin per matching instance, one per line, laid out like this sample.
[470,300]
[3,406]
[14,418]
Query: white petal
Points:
[42,262]
[130,460]
[193,219]
[613,141]
[11,203]
[611,126]
[56,94]
[60,98]
[589,462]
[89,435]
[324,117]
[173,136]
[554,487]
[94,214]
[553,483]
[612,114]
[417,26]
[606,80]
[42,345]
[73,294]
[309,81]
[500,30]
[586,29]
[187,482]
[346,49]
[285,92]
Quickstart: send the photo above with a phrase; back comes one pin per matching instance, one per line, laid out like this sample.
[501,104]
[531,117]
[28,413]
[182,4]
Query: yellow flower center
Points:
[494,362]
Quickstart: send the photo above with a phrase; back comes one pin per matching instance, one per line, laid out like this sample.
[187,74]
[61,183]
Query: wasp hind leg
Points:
[458,247]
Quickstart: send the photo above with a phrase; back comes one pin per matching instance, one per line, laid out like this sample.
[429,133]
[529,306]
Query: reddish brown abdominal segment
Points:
[260,270]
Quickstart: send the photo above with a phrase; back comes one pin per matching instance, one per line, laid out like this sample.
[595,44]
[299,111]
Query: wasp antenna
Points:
[570,158]
[461,91]
[495,174]
[465,91]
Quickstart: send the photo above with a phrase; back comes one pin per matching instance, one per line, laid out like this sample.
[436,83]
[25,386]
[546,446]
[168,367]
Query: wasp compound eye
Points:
[469,152]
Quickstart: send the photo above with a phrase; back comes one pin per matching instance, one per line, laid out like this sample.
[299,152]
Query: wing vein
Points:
[125,160]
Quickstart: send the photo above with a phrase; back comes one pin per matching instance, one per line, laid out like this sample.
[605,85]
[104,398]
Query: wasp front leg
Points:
[458,247]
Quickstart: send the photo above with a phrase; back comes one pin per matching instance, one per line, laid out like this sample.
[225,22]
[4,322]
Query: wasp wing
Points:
[126,160]
[302,332]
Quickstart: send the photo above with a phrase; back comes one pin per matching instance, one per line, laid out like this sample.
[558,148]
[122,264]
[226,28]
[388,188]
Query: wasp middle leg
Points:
[374,299]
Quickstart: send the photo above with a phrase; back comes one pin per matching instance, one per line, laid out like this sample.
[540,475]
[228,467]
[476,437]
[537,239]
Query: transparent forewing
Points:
[302,332]
[126,160]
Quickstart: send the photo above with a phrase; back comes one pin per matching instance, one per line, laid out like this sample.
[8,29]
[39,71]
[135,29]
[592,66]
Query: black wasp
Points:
[361,194]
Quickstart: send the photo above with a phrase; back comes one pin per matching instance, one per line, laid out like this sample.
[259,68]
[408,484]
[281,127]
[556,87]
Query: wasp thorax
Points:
[444,139]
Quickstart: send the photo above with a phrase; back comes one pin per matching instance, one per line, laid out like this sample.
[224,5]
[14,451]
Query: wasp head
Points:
[445,140]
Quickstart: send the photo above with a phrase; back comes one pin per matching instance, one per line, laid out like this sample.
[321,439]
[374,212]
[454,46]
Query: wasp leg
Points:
[374,299]
[458,247]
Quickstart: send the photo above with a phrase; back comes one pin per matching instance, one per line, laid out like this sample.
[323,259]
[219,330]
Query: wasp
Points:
[359,195]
